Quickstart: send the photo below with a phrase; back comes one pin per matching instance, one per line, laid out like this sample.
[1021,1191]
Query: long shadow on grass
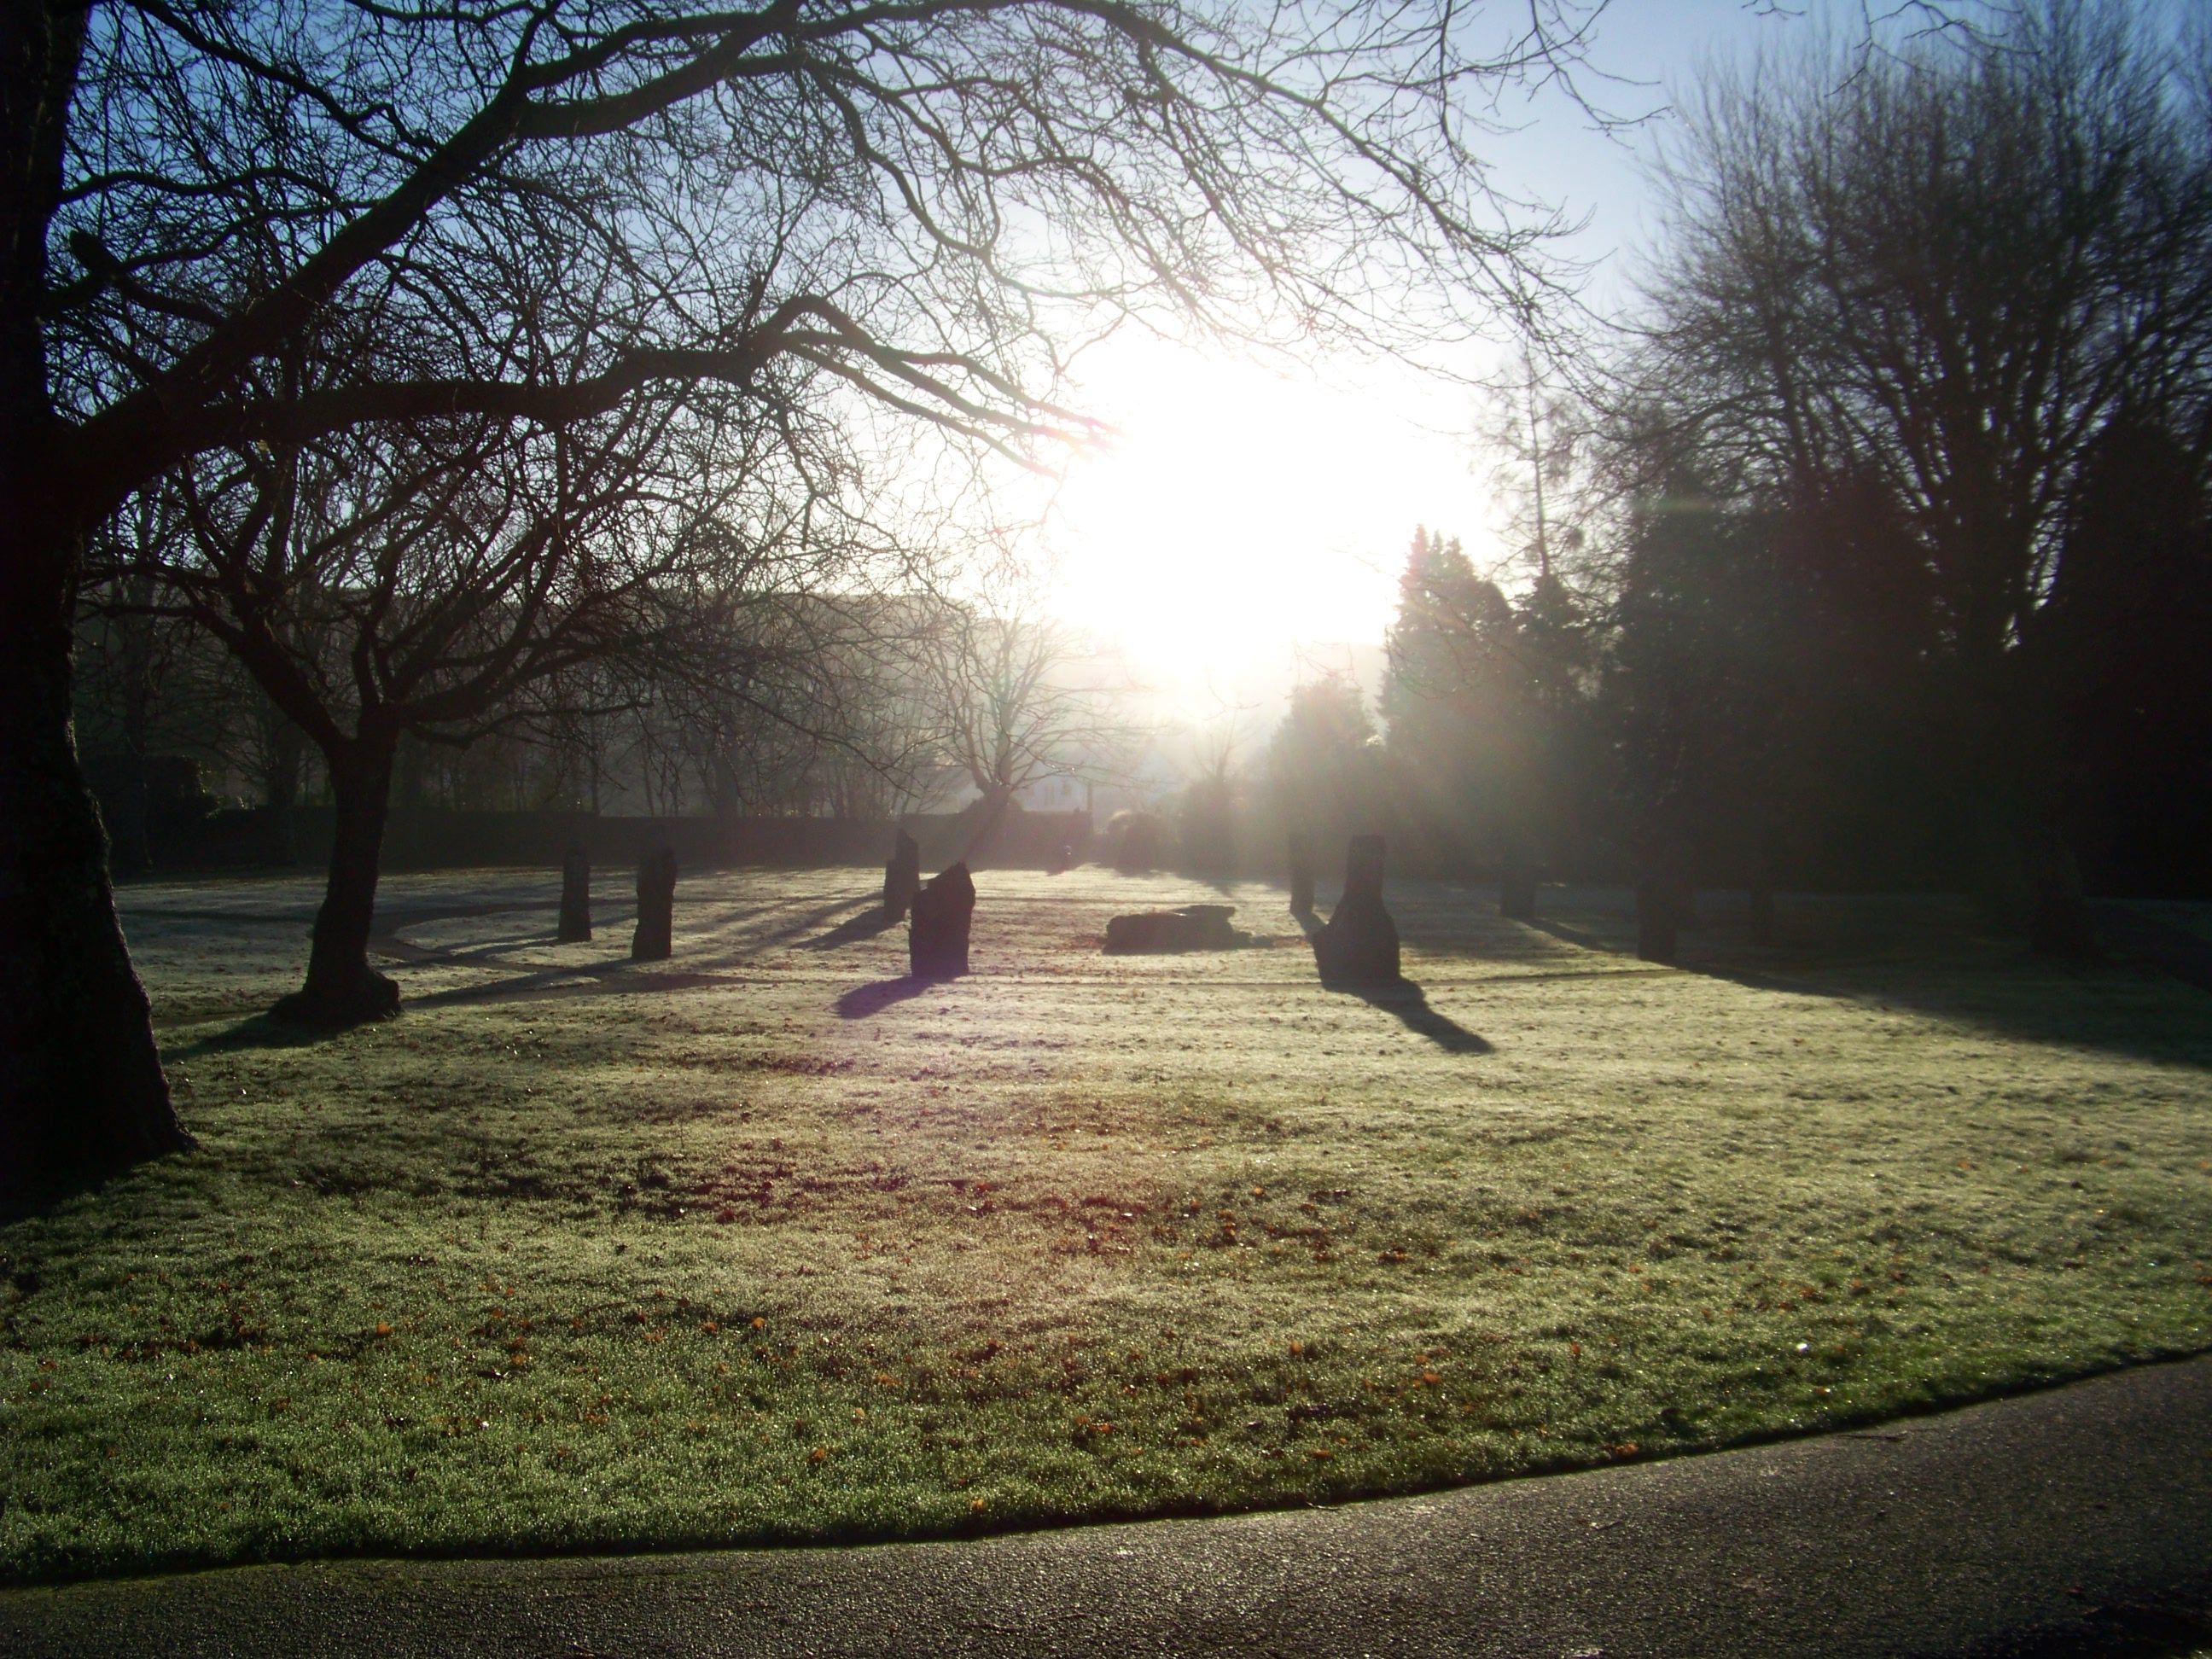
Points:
[258,1031]
[863,1001]
[798,924]
[1925,955]
[851,931]
[1410,1004]
[614,976]
[1581,936]
[1407,1001]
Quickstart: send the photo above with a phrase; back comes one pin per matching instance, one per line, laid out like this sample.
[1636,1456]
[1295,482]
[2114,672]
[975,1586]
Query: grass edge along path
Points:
[777,1246]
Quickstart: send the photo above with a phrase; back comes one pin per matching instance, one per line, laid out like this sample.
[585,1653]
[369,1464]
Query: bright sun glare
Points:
[1243,516]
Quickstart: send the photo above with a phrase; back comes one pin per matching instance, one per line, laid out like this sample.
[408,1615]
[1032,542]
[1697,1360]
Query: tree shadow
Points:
[798,924]
[851,931]
[1926,953]
[1410,1005]
[864,1000]
[1581,936]
[258,1031]
[608,976]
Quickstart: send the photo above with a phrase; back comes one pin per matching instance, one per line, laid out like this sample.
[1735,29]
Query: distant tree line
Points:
[449,366]
[1877,553]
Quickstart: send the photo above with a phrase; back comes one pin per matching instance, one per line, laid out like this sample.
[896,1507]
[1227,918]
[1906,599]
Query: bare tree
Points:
[1941,273]
[1017,697]
[444,581]
[915,203]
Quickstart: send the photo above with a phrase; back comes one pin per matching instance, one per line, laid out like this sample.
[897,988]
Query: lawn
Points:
[767,1243]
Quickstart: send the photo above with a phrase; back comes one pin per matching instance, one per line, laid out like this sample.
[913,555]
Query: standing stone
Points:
[901,875]
[1302,875]
[575,896]
[937,935]
[1358,944]
[655,939]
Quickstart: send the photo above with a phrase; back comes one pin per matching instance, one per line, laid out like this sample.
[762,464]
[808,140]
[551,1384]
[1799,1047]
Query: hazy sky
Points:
[1245,519]
[1243,516]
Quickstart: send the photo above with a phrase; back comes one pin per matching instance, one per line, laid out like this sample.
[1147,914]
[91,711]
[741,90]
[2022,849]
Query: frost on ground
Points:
[768,1241]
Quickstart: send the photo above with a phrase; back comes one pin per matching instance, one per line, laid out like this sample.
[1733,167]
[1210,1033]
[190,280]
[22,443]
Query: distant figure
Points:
[1302,875]
[655,939]
[575,896]
[901,877]
[937,935]
[1062,860]
[1155,933]
[1358,944]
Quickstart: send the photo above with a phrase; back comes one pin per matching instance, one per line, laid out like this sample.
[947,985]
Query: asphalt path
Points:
[2077,1521]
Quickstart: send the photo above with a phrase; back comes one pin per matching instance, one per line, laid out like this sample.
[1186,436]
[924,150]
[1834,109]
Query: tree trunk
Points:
[341,988]
[82,1093]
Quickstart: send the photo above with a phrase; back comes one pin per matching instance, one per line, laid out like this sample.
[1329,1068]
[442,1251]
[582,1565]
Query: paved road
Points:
[2075,1522]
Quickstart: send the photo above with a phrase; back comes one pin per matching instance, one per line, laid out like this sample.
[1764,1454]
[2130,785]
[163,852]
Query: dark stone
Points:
[901,875]
[1194,927]
[1302,875]
[655,939]
[937,932]
[576,898]
[1061,860]
[1358,944]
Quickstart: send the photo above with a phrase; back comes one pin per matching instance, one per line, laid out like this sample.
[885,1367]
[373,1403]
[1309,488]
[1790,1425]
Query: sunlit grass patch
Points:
[764,1243]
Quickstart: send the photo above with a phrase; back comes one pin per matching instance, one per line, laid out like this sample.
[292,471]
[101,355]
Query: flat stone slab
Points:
[1164,932]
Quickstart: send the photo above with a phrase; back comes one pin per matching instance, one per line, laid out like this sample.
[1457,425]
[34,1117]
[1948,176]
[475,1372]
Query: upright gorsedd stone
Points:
[575,896]
[1302,875]
[655,939]
[1359,945]
[901,875]
[937,931]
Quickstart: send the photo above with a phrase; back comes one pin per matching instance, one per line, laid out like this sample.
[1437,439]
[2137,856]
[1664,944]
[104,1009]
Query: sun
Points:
[1241,513]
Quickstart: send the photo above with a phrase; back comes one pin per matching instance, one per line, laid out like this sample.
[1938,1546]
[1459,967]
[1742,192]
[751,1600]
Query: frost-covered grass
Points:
[767,1243]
